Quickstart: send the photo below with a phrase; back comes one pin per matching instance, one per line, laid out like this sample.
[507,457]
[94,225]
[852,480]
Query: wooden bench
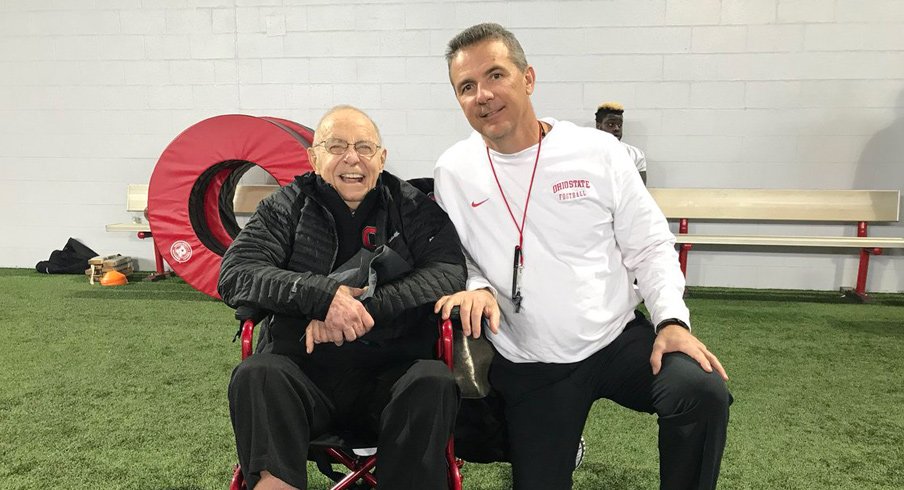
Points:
[860,207]
[710,205]
[245,202]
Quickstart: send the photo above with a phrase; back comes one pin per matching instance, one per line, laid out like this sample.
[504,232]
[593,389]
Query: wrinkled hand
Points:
[675,338]
[472,305]
[347,315]
[317,333]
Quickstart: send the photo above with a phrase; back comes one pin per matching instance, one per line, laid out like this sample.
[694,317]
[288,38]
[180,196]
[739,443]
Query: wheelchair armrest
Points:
[444,345]
[243,313]
[468,359]
[248,317]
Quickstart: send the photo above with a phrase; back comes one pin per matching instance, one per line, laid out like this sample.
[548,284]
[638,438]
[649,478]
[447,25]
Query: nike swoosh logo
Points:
[475,204]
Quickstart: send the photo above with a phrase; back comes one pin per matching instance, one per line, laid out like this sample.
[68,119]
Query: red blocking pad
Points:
[306,133]
[185,209]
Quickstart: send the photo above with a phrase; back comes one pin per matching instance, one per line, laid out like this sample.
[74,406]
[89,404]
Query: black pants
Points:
[546,406]
[277,409]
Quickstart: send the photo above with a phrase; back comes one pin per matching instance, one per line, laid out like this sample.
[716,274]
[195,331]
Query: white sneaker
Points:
[579,457]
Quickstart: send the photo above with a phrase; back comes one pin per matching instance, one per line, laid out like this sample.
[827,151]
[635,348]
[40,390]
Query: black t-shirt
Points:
[352,228]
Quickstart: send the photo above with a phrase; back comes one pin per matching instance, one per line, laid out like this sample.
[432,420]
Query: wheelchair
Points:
[358,456]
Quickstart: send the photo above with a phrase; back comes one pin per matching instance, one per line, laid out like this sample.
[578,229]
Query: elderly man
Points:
[348,259]
[556,223]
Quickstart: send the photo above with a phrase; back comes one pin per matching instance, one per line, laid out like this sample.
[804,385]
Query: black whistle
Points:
[516,290]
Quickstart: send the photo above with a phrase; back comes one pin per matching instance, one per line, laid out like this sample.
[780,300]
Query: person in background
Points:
[610,118]
[555,223]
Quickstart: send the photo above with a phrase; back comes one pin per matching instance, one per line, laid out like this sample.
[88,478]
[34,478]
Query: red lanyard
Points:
[526,201]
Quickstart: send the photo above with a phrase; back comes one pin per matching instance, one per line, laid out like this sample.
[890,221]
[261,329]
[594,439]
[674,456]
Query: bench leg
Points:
[158,259]
[682,257]
[683,249]
[859,292]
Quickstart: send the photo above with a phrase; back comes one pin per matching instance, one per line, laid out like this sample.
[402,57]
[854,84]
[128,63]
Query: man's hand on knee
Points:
[472,306]
[675,338]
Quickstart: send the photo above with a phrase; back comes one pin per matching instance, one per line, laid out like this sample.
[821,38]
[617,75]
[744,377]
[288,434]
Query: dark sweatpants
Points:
[546,406]
[277,410]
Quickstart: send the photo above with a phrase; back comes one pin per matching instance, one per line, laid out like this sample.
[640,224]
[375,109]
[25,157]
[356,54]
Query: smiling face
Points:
[351,174]
[495,95]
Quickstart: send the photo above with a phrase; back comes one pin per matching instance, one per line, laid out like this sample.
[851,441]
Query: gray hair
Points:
[486,31]
[346,107]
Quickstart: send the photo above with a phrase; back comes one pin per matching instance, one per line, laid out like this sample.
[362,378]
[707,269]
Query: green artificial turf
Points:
[125,387]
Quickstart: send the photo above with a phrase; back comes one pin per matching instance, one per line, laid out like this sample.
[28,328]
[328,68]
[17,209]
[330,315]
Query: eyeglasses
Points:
[337,146]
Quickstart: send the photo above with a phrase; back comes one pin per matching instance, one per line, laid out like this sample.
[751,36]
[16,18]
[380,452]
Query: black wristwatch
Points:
[670,321]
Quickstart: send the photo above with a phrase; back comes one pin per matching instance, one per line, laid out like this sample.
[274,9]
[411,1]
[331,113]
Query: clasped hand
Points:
[345,321]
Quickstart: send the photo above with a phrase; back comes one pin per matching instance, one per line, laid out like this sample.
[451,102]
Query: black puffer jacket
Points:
[281,260]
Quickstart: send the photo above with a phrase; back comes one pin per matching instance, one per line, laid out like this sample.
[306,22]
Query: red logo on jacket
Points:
[368,237]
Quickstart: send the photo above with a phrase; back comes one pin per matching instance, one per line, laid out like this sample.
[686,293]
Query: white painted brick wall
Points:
[878,11]
[693,12]
[774,38]
[719,39]
[805,11]
[663,95]
[854,37]
[719,93]
[748,12]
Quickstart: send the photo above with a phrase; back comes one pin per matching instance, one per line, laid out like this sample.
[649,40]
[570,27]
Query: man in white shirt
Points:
[555,224]
[610,118]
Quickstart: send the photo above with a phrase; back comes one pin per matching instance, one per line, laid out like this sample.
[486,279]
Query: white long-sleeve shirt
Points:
[591,227]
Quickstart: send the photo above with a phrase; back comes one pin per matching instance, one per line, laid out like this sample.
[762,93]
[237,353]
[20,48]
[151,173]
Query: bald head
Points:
[338,111]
